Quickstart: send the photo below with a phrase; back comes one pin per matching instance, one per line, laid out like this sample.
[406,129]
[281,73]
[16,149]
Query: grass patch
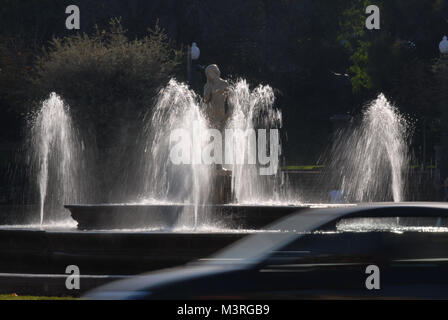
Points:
[16,297]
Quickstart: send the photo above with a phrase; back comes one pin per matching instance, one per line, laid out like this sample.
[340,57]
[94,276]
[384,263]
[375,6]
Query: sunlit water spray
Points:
[178,107]
[56,157]
[253,110]
[163,181]
[370,161]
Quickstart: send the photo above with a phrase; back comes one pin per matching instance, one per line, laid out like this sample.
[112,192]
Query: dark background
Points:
[317,55]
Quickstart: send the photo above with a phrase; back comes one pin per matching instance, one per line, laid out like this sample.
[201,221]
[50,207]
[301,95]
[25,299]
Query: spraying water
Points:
[178,107]
[252,110]
[55,156]
[370,161]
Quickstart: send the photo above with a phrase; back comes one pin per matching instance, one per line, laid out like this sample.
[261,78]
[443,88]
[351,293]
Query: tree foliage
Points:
[99,74]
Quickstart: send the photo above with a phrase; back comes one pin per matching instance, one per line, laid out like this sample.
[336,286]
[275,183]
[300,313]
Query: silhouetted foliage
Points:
[106,78]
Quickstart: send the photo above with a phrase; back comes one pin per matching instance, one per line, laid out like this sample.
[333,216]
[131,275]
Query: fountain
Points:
[163,181]
[201,180]
[212,162]
[55,155]
[195,171]
[254,109]
[369,161]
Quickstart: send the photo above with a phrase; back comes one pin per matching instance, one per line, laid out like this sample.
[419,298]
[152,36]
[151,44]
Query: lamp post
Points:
[192,55]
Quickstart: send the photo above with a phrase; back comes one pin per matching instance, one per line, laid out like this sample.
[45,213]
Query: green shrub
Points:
[106,77]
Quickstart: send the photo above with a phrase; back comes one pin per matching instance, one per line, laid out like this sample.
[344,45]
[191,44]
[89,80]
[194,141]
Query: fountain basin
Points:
[34,260]
[32,250]
[119,216]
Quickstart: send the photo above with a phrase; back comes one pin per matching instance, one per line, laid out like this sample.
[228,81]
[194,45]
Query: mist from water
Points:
[369,162]
[253,110]
[178,107]
[55,155]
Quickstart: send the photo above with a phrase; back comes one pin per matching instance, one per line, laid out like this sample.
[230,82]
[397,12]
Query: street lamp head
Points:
[443,46]
[195,52]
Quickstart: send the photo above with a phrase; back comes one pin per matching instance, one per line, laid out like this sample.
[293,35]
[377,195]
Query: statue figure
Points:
[215,96]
